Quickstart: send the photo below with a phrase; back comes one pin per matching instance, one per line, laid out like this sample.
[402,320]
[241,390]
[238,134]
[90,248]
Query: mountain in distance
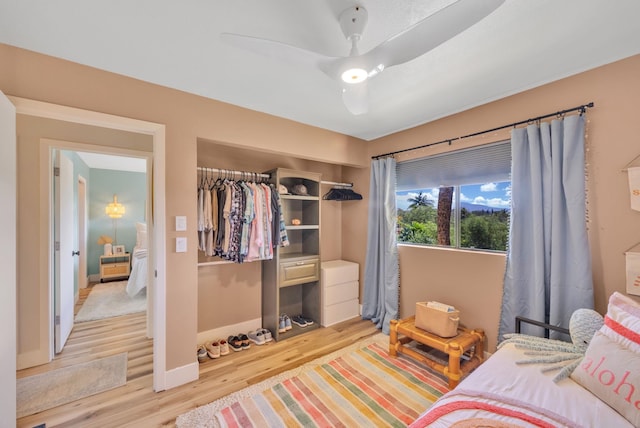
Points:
[475,207]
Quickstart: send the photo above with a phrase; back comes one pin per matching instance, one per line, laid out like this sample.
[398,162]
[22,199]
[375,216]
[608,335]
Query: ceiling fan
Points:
[354,71]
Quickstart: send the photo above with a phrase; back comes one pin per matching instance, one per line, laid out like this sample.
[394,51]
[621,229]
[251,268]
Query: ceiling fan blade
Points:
[275,50]
[430,32]
[416,40]
[356,97]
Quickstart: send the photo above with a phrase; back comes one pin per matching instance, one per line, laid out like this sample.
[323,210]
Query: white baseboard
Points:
[229,330]
[181,375]
[94,277]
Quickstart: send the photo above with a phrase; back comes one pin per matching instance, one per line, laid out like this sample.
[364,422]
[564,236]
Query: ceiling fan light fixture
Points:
[356,69]
[354,75]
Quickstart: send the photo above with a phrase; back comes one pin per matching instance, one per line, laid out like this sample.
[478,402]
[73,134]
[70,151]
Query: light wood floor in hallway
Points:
[136,405]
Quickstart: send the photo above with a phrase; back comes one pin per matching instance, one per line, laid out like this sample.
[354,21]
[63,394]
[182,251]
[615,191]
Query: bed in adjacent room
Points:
[138,279]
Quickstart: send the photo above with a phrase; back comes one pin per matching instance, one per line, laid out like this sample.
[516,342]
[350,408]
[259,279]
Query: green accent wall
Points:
[131,189]
[102,184]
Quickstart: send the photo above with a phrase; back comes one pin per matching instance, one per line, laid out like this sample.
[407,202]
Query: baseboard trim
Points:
[95,277]
[182,375]
[229,330]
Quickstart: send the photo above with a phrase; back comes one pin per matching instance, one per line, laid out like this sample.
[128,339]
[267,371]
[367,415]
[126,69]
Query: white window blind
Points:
[475,165]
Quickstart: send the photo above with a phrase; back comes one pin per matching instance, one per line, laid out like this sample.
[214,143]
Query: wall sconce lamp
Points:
[115,210]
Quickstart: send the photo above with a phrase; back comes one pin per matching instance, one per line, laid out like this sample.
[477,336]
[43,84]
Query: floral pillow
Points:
[611,366]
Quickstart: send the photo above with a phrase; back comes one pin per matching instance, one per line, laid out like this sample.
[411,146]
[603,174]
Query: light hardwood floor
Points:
[135,404]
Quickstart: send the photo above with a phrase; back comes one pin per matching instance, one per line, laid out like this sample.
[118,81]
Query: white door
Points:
[63,260]
[8,257]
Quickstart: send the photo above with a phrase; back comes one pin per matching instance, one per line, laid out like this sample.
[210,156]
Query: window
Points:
[459,199]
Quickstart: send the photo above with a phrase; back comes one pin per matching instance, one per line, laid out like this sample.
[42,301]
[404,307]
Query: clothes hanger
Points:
[341,194]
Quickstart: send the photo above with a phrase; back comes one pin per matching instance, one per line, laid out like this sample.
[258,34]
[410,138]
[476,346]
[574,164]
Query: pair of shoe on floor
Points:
[239,342]
[213,349]
[285,322]
[301,321]
[260,336]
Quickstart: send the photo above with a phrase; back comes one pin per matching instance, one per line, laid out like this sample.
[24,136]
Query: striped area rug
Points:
[363,388]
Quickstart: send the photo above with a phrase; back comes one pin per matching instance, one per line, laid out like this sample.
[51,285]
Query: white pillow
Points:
[610,369]
[141,235]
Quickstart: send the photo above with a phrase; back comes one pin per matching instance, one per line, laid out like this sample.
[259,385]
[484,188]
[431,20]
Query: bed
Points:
[603,391]
[138,279]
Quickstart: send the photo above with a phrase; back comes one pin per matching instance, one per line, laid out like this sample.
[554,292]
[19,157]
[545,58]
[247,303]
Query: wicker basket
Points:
[435,321]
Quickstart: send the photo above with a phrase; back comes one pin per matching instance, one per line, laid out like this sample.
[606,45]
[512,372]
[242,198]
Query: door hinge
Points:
[57,321]
[56,246]
[56,171]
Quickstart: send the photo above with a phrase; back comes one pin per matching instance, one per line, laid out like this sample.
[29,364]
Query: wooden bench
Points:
[467,342]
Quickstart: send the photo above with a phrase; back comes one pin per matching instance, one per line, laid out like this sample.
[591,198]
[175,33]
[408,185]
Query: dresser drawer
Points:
[340,293]
[116,269]
[339,312]
[339,271]
[299,271]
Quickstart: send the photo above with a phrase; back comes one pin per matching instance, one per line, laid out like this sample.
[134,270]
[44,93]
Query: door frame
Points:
[47,148]
[82,233]
[155,208]
[8,255]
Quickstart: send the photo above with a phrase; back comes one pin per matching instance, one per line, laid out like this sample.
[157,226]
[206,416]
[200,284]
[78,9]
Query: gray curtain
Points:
[548,271]
[380,302]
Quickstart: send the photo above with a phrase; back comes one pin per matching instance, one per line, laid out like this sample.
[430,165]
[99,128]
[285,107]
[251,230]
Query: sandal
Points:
[246,343]
[235,343]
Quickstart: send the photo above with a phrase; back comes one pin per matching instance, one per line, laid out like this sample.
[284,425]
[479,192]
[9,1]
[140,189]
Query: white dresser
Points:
[340,289]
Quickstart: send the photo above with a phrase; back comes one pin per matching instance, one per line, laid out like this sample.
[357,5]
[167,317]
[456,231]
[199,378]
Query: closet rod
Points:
[583,108]
[232,172]
[333,183]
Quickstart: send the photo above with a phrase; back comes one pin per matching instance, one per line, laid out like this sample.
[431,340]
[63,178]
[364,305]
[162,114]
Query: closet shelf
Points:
[223,262]
[288,256]
[217,262]
[291,281]
[298,197]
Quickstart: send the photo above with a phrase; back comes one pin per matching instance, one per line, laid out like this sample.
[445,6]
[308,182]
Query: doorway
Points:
[41,345]
[109,172]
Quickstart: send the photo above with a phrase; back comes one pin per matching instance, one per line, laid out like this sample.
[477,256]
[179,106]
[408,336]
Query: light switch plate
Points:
[181,223]
[181,245]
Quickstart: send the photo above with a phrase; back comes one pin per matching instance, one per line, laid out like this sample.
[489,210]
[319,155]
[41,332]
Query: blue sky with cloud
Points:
[491,195]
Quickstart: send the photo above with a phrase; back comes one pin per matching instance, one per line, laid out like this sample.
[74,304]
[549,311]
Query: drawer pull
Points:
[299,263]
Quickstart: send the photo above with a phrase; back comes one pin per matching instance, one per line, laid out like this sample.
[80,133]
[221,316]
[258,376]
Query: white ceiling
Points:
[523,44]
[115,163]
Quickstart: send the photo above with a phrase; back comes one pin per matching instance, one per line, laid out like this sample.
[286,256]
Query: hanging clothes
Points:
[201,236]
[239,220]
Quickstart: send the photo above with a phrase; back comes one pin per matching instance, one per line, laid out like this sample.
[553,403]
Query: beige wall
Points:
[192,121]
[188,119]
[473,281]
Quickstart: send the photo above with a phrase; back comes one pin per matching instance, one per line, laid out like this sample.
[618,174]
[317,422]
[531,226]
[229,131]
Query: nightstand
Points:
[115,266]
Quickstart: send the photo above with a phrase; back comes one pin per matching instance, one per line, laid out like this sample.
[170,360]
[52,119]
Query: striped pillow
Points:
[611,366]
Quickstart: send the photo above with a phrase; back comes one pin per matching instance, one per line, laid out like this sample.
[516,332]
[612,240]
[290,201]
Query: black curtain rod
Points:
[583,108]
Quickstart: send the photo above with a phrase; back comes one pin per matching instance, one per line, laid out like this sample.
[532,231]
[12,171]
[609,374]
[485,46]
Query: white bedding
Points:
[520,395]
[139,269]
